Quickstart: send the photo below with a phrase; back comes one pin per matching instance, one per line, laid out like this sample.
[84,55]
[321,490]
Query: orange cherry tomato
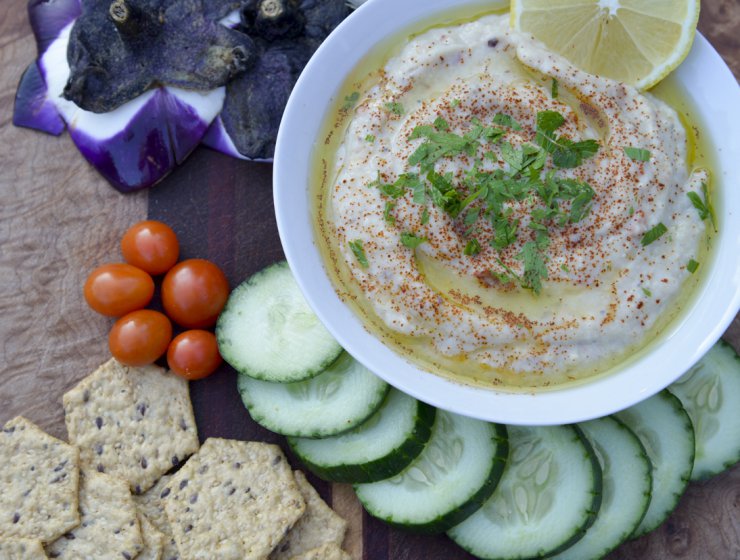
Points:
[150,245]
[194,354]
[194,292]
[139,338]
[117,289]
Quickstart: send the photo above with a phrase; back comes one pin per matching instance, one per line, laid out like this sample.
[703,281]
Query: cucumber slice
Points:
[379,448]
[267,330]
[626,484]
[337,400]
[710,393]
[665,429]
[545,501]
[455,473]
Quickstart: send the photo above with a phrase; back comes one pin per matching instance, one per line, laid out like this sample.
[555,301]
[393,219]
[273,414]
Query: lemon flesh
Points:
[638,42]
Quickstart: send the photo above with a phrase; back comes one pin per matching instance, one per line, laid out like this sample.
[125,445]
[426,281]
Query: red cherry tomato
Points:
[139,338]
[117,289]
[194,354]
[150,245]
[194,292]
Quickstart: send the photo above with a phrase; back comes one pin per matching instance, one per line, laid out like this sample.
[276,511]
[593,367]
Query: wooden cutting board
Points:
[59,219]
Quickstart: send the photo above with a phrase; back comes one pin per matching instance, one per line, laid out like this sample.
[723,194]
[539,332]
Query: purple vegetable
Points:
[32,108]
[134,146]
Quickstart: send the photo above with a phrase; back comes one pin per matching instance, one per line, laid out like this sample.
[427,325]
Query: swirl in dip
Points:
[542,235]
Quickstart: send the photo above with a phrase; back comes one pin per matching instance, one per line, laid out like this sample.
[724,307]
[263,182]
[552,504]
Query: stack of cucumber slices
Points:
[500,492]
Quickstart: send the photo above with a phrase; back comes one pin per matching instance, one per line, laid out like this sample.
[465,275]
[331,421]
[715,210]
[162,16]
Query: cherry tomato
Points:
[139,338]
[117,289]
[194,354]
[150,245]
[194,292]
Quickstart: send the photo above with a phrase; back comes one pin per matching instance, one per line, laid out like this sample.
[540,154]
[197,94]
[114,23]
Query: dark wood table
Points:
[59,219]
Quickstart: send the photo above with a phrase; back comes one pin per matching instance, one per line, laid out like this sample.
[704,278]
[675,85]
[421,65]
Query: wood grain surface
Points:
[59,219]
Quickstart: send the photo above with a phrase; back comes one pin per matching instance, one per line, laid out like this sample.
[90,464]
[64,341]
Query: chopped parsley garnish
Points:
[564,268]
[351,100]
[653,234]
[395,108]
[455,103]
[704,207]
[370,138]
[359,252]
[637,154]
[647,292]
[692,266]
[479,193]
[631,211]
[390,218]
[554,89]
[506,120]
[472,248]
[411,240]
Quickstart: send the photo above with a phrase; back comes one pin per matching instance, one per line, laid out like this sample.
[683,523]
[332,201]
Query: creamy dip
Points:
[605,286]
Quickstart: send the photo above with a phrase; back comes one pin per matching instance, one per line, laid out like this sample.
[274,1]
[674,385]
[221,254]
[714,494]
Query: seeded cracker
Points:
[133,423]
[328,551]
[153,540]
[151,505]
[318,526]
[109,526]
[38,483]
[22,549]
[233,499]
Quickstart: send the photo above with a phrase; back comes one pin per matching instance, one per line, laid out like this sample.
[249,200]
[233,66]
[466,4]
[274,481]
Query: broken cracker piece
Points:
[154,540]
[22,549]
[233,500]
[133,423]
[318,526]
[329,551]
[109,526]
[38,483]
[151,504]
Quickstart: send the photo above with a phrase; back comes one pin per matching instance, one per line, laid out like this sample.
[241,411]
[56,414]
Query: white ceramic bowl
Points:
[714,93]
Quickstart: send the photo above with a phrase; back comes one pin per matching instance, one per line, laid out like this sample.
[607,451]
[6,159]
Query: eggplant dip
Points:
[502,211]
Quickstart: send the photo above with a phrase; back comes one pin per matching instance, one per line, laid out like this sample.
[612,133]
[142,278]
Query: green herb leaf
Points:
[370,138]
[351,100]
[441,124]
[411,240]
[359,252]
[506,120]
[564,268]
[395,108]
[704,207]
[455,103]
[390,218]
[535,266]
[472,248]
[647,292]
[425,217]
[554,89]
[637,154]
[692,266]
[653,234]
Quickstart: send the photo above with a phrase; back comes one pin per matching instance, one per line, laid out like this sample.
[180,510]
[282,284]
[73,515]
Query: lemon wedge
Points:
[638,42]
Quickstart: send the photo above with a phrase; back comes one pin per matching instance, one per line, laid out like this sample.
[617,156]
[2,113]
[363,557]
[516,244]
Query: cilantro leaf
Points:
[350,101]
[359,252]
[395,108]
[370,138]
[637,154]
[425,217]
[441,124]
[566,154]
[411,240]
[704,207]
[472,248]
[653,234]
[554,89]
[535,266]
[506,120]
[504,231]
[390,218]
[647,292]
[692,266]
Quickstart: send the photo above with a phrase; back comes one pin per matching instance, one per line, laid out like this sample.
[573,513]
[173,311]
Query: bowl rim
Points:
[713,307]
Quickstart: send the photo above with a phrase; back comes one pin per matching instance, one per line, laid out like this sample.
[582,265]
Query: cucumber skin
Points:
[241,368]
[445,522]
[593,512]
[383,467]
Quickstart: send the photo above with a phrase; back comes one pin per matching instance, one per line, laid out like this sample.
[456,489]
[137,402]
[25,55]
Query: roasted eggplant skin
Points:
[119,50]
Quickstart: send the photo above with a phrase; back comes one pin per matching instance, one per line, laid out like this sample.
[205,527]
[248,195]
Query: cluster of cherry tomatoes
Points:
[193,293]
